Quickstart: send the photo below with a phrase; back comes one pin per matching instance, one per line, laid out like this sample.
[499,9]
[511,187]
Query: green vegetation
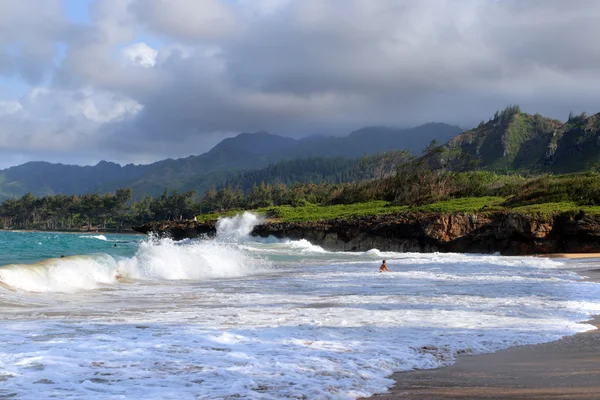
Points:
[511,141]
[575,147]
[92,211]
[313,212]
[413,188]
[580,189]
[502,165]
[222,165]
[316,213]
[462,205]
[546,210]
[418,190]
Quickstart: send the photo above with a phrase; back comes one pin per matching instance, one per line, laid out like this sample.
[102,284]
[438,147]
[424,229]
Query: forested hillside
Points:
[514,141]
[244,152]
[503,163]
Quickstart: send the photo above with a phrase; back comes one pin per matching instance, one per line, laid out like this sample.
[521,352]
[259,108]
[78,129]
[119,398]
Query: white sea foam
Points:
[161,259]
[200,323]
[304,246]
[99,237]
[66,274]
[192,260]
[238,227]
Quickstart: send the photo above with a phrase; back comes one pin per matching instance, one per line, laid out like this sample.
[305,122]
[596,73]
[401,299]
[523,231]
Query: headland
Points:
[504,232]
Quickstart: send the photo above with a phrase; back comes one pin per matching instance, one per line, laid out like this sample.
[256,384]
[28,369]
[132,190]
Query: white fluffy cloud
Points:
[61,125]
[156,78]
[140,54]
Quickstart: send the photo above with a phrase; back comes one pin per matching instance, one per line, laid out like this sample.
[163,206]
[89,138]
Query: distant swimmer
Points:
[115,245]
[62,256]
[384,267]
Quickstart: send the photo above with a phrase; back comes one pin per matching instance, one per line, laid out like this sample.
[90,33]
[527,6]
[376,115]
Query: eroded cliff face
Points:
[507,233]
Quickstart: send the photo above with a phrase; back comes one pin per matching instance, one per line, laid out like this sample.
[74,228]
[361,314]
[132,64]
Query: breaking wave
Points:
[237,228]
[66,274]
[192,260]
[158,259]
[99,237]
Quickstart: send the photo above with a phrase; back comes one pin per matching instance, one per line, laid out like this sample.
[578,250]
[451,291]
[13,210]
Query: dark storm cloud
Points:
[340,63]
[302,67]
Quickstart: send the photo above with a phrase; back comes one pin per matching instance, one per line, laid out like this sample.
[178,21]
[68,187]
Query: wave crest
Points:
[66,274]
[190,260]
[239,227]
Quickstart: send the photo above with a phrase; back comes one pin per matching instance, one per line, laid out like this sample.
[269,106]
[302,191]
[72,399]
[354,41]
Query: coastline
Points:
[506,233]
[570,255]
[565,369]
[127,232]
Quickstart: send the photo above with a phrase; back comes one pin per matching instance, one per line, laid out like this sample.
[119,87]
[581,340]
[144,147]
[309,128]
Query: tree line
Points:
[295,182]
[394,177]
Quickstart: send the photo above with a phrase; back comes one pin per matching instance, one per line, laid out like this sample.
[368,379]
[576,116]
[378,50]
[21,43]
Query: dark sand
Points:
[565,369]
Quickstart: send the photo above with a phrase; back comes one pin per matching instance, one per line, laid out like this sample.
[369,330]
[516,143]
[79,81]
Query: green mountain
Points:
[513,141]
[576,147]
[372,140]
[243,152]
[43,178]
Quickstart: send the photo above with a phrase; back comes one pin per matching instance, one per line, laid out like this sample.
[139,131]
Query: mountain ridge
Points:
[511,141]
[514,141]
[245,151]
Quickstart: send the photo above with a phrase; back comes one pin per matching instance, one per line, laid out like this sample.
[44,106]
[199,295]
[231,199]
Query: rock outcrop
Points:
[178,230]
[504,232]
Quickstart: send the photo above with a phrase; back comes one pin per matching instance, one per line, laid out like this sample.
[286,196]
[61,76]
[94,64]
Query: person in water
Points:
[384,267]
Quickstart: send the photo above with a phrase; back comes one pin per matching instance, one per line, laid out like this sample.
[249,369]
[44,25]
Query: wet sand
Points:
[570,255]
[565,369]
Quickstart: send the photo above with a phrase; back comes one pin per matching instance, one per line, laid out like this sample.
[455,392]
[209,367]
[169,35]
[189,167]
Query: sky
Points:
[136,81]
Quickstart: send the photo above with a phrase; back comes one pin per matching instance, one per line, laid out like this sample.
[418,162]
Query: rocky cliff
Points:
[178,230]
[504,232]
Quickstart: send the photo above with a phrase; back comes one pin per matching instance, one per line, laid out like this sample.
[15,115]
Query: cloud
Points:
[140,54]
[61,125]
[29,34]
[184,19]
[9,107]
[155,78]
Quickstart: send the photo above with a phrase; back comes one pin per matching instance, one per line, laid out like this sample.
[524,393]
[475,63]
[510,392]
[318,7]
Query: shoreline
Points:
[568,368]
[130,232]
[569,255]
[506,233]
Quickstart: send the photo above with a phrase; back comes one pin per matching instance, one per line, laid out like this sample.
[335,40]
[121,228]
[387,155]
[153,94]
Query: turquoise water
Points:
[29,247]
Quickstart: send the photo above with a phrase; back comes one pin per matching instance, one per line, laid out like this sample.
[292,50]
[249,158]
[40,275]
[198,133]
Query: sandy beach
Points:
[570,255]
[565,369]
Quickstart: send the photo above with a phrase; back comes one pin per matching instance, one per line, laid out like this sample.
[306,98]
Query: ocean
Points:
[237,317]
